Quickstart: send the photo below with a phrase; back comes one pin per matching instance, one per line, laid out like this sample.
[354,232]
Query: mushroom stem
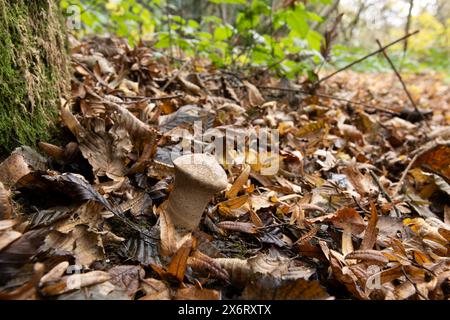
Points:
[198,177]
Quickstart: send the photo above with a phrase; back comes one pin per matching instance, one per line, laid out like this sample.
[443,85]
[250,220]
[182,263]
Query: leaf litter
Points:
[359,208]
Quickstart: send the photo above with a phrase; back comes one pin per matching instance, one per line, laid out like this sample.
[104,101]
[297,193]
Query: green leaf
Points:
[228,1]
[222,33]
[314,39]
[297,21]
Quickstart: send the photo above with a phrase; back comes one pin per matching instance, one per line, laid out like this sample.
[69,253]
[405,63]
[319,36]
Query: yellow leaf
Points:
[238,183]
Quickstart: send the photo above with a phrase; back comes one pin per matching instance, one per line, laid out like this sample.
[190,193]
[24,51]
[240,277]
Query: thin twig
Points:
[402,82]
[322,95]
[365,57]
[402,178]
[175,75]
[384,192]
[414,285]
[142,99]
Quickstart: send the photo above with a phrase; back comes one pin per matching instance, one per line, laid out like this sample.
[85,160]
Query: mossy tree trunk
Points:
[33,71]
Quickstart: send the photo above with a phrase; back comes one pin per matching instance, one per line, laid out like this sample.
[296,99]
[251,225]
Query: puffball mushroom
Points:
[198,177]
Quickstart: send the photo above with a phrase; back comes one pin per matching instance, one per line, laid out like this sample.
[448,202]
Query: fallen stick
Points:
[402,82]
[175,75]
[384,192]
[322,95]
[404,174]
[365,57]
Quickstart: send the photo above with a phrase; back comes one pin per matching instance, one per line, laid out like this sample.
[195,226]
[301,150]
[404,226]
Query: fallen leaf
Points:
[270,288]
[127,278]
[177,266]
[194,293]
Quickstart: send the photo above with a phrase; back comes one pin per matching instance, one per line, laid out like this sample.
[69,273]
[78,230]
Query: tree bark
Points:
[33,71]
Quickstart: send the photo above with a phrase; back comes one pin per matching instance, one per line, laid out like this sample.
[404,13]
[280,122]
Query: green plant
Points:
[257,35]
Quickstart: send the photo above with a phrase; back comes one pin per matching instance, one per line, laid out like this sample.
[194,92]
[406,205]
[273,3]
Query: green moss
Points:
[33,71]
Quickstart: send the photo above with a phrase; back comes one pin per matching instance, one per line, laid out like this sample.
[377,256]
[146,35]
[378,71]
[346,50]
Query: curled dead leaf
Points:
[368,255]
[244,227]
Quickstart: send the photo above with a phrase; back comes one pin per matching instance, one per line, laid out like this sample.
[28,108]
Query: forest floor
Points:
[359,207]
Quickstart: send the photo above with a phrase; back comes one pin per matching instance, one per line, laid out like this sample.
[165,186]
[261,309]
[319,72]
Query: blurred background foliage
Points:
[289,37]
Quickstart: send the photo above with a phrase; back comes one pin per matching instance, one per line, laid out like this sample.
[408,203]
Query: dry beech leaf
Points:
[20,163]
[7,237]
[238,183]
[352,133]
[155,290]
[235,207]
[127,278]
[445,233]
[52,150]
[348,219]
[76,282]
[27,290]
[178,264]
[368,255]
[194,293]
[19,253]
[362,183]
[86,246]
[436,160]
[371,233]
[241,271]
[425,230]
[7,224]
[234,203]
[55,274]
[270,288]
[189,86]
[255,97]
[244,227]
[345,276]
[5,203]
[202,263]
[307,236]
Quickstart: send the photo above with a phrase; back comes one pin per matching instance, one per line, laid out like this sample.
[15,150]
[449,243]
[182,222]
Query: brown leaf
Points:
[27,290]
[239,270]
[7,237]
[189,86]
[127,278]
[255,97]
[307,236]
[55,274]
[194,293]
[20,163]
[5,203]
[362,183]
[270,288]
[76,282]
[371,233]
[238,183]
[244,227]
[348,218]
[19,252]
[155,290]
[436,160]
[203,263]
[86,246]
[177,266]
[368,255]
[235,203]
[51,150]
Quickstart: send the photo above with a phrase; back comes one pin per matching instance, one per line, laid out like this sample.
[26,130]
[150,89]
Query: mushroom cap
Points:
[203,170]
